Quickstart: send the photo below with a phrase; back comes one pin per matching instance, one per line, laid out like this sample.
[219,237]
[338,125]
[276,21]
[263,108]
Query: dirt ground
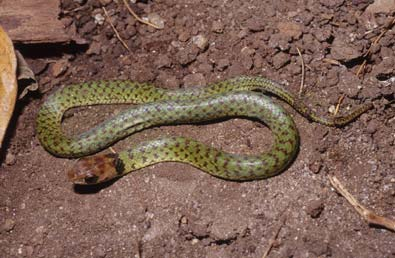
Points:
[174,210]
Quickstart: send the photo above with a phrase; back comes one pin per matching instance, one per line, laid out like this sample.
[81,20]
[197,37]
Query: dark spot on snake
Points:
[91,179]
[119,166]
[225,163]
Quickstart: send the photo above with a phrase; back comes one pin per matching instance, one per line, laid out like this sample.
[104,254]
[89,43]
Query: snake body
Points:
[158,106]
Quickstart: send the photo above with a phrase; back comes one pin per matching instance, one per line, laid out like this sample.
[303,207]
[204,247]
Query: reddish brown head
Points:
[96,169]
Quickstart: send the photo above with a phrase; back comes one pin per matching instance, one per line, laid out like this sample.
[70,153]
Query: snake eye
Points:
[91,179]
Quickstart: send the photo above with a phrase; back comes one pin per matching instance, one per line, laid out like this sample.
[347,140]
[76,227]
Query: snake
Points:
[243,96]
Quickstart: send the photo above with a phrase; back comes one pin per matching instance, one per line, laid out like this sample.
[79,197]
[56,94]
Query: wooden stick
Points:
[114,29]
[371,217]
[339,102]
[303,73]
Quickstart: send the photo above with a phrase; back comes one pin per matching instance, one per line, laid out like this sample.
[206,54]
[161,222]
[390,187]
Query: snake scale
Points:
[241,96]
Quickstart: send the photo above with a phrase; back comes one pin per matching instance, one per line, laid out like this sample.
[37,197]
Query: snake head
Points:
[96,169]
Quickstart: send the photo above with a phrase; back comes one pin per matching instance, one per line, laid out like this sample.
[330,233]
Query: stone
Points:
[195,79]
[280,60]
[315,208]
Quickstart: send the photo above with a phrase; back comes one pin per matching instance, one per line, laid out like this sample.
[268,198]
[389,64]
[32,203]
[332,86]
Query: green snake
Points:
[238,97]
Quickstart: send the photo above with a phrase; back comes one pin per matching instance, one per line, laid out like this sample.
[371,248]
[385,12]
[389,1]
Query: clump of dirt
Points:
[174,210]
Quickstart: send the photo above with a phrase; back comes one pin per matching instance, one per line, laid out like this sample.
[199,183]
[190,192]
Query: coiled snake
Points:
[158,106]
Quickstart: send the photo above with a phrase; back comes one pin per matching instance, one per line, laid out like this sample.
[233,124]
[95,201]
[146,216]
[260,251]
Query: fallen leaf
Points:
[8,83]
[25,76]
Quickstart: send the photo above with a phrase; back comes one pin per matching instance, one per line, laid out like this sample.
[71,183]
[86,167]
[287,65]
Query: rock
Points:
[280,60]
[184,36]
[29,251]
[258,61]
[372,126]
[200,41]
[195,79]
[88,27]
[217,27]
[279,41]
[228,228]
[187,55]
[332,3]
[315,208]
[205,68]
[255,24]
[168,81]
[9,225]
[342,50]
[60,67]
[94,48]
[100,251]
[290,29]
[236,69]
[246,57]
[155,19]
[222,64]
[10,159]
[332,78]
[385,69]
[99,19]
[162,61]
[322,34]
[381,6]
[316,165]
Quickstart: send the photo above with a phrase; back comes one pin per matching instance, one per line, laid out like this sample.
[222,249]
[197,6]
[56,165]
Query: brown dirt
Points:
[174,210]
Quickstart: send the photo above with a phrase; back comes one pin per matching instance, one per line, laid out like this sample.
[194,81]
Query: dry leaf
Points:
[25,76]
[8,83]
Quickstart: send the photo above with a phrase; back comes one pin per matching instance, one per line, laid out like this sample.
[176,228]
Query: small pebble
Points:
[10,159]
[94,48]
[162,61]
[315,166]
[200,41]
[59,68]
[256,24]
[372,126]
[315,208]
[217,27]
[195,79]
[184,220]
[155,19]
[9,225]
[222,64]
[332,109]
[280,60]
[99,19]
[195,241]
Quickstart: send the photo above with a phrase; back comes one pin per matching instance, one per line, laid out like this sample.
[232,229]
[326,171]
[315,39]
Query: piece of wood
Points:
[32,21]
[371,217]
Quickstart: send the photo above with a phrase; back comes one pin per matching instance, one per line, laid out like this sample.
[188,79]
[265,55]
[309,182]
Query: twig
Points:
[137,17]
[274,237]
[368,215]
[339,102]
[375,42]
[114,29]
[303,73]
